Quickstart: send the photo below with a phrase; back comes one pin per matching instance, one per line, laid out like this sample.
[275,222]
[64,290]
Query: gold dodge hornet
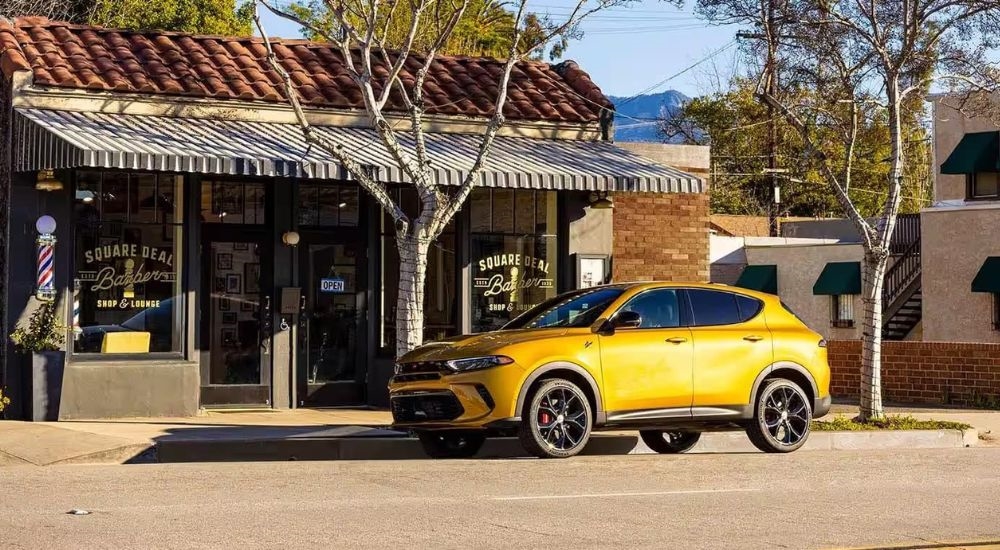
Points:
[667,359]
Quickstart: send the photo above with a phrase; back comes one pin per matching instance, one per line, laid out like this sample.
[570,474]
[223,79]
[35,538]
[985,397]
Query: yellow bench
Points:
[125,342]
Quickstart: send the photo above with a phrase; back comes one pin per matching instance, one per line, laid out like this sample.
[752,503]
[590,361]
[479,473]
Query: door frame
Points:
[340,392]
[235,395]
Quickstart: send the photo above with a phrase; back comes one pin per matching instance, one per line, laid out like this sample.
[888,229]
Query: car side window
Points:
[713,307]
[658,308]
[749,307]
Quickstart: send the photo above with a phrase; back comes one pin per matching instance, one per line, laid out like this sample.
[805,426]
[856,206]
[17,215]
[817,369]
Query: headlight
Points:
[476,363]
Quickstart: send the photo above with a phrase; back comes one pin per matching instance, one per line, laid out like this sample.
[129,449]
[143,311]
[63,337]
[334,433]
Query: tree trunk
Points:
[871,337]
[410,303]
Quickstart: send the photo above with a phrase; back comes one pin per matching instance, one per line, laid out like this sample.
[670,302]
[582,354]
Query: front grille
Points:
[416,377]
[423,366]
[426,407]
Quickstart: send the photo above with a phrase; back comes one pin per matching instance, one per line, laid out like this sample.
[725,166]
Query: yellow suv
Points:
[670,360]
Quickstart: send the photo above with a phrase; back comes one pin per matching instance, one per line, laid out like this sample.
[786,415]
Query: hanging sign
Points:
[331,285]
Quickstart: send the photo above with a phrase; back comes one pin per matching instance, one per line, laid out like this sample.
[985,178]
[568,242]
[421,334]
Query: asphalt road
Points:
[803,500]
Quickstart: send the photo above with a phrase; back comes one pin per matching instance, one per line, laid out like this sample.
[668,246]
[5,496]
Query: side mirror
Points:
[627,319]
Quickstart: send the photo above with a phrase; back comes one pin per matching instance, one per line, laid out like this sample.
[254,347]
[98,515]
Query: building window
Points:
[326,205]
[513,253]
[983,185]
[233,202]
[440,285]
[842,310]
[127,263]
[996,312]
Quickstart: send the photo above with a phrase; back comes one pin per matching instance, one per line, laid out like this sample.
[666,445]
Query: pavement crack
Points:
[521,529]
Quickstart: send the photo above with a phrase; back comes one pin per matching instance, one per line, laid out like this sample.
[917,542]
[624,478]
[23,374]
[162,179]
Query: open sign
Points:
[331,285]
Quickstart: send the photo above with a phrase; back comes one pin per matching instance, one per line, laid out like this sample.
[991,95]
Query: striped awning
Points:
[49,139]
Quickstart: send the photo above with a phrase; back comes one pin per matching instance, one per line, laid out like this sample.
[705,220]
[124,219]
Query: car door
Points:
[732,345]
[647,369]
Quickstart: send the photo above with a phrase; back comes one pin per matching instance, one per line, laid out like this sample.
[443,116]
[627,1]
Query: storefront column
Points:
[283,324]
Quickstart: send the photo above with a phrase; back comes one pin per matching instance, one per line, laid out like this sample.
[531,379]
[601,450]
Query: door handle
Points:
[677,340]
[753,338]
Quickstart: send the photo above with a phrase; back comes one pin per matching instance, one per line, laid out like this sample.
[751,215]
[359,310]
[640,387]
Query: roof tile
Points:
[76,56]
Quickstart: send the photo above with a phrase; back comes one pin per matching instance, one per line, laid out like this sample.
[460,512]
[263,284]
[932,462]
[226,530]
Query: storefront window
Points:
[326,204]
[232,202]
[127,263]
[514,258]
[440,291]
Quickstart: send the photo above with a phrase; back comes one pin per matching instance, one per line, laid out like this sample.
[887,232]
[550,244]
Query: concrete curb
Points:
[406,448]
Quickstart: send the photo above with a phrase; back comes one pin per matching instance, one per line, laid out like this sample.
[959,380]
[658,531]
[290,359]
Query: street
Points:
[802,500]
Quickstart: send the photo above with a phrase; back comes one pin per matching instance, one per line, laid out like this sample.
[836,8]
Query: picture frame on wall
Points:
[229,337]
[229,318]
[247,305]
[591,270]
[223,304]
[233,284]
[223,260]
[241,246]
[220,284]
[251,274]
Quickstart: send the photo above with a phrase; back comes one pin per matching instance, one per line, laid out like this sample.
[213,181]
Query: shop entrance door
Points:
[235,320]
[332,362]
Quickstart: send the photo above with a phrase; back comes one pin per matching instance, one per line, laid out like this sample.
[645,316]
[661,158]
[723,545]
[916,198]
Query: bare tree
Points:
[63,10]
[359,34]
[864,58]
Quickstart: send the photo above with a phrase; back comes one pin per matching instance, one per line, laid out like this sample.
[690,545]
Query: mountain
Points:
[647,109]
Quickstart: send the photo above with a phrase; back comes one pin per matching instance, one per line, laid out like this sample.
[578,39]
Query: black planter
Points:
[43,377]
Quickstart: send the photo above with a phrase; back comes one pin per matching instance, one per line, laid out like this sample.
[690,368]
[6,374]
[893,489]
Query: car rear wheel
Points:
[782,417]
[448,444]
[669,442]
[557,421]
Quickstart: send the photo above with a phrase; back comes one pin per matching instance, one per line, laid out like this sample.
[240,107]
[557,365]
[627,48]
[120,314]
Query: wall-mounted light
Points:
[290,238]
[599,200]
[46,181]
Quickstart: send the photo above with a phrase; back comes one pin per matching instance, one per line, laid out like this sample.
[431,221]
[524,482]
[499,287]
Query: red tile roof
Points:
[94,58]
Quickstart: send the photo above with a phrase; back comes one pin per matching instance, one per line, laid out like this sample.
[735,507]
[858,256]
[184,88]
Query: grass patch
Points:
[892,422]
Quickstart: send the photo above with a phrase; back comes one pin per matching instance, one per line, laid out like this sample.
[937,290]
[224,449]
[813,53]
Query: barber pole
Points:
[77,331]
[46,268]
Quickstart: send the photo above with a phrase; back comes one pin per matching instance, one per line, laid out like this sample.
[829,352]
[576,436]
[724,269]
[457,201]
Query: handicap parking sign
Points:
[331,285]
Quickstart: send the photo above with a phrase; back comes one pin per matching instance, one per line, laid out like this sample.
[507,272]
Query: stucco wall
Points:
[955,242]
[798,268]
[949,127]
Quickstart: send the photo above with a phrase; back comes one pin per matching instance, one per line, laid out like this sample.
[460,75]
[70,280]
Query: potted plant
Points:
[39,344]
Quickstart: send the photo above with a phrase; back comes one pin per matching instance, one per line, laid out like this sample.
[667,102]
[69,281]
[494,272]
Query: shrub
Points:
[4,400]
[892,422]
[43,333]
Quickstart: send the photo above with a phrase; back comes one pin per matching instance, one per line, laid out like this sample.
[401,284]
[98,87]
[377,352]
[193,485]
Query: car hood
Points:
[472,345]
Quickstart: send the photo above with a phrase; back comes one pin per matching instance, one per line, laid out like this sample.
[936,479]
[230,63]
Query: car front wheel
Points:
[556,422]
[447,444]
[781,418]
[669,442]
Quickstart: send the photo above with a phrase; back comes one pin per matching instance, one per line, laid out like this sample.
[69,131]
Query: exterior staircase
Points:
[901,299]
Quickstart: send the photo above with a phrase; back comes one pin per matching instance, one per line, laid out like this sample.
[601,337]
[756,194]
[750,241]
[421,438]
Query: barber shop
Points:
[197,253]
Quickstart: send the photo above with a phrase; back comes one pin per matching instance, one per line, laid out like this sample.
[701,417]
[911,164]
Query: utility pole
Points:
[771,87]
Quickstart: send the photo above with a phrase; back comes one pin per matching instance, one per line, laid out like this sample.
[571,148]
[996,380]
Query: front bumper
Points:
[471,400]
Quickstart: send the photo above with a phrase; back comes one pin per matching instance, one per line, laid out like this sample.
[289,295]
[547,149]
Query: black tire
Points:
[556,421]
[782,415]
[668,442]
[451,444]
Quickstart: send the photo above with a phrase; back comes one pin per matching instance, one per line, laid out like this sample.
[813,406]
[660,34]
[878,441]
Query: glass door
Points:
[332,370]
[235,322]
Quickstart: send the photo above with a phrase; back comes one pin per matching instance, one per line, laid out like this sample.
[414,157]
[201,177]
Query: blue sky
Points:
[626,50]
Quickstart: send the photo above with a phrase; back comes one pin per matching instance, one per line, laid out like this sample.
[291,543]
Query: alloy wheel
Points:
[786,415]
[562,418]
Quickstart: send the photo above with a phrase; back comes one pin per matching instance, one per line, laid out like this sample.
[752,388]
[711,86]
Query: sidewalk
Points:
[307,434]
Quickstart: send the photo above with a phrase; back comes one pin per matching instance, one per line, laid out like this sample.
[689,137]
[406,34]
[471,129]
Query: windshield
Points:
[573,309]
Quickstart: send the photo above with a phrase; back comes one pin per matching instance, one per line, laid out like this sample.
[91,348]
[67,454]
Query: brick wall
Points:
[660,236]
[941,373]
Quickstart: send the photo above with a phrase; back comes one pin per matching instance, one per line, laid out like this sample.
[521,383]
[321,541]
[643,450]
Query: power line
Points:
[686,69]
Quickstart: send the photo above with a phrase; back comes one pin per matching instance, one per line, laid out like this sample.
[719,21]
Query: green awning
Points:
[839,278]
[977,152]
[759,277]
[988,278]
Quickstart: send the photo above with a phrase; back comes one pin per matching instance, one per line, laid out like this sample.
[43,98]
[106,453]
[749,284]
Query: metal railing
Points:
[901,274]
[906,232]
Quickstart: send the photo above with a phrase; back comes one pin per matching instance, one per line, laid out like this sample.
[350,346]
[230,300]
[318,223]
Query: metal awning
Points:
[988,278]
[976,152]
[49,139]
[759,277]
[839,278]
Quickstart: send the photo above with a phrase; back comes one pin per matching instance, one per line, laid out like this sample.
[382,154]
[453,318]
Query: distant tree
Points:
[224,17]
[734,123]
[485,30]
